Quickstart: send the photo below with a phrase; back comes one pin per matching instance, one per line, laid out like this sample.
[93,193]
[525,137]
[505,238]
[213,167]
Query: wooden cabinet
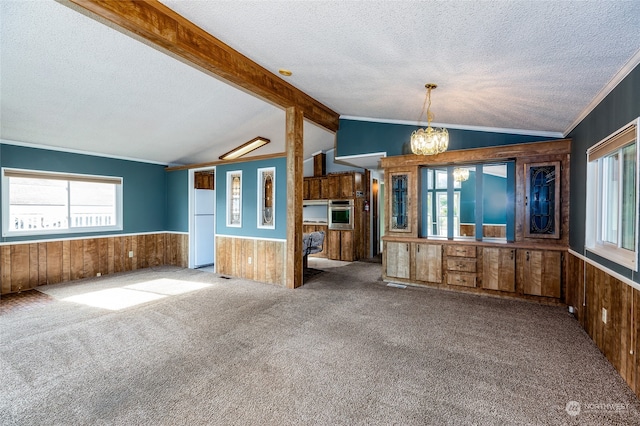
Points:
[343,185]
[428,262]
[204,180]
[397,258]
[315,188]
[340,245]
[461,265]
[540,272]
[499,269]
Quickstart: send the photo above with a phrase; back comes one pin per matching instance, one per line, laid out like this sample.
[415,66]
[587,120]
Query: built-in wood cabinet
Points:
[397,258]
[204,180]
[519,195]
[461,265]
[499,269]
[315,188]
[342,186]
[340,245]
[428,262]
[347,245]
[540,272]
[489,268]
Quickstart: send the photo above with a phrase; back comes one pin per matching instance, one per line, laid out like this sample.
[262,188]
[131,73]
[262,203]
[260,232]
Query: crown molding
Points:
[77,151]
[612,84]
[546,134]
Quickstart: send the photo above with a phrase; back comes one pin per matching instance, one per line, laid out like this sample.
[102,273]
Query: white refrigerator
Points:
[204,227]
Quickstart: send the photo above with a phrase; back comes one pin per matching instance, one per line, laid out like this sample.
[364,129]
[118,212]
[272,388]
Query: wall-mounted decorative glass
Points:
[399,202]
[542,192]
[234,198]
[266,197]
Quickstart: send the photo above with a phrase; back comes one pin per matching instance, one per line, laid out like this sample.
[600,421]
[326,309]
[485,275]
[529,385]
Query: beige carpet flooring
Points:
[169,346]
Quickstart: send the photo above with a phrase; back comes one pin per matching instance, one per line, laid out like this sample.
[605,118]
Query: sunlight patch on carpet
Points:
[114,299]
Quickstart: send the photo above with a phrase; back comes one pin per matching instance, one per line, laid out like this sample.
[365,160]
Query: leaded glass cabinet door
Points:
[400,218]
[542,200]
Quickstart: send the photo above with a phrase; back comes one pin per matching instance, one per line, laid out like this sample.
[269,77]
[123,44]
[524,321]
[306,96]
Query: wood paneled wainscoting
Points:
[251,258]
[591,290]
[26,265]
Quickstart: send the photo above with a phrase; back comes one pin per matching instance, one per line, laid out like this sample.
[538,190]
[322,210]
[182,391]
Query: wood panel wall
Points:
[253,259]
[591,289]
[28,265]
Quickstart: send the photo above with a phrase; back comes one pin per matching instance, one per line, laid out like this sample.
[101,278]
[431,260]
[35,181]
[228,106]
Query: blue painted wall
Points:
[250,199]
[620,107]
[361,137]
[144,200]
[177,201]
[494,200]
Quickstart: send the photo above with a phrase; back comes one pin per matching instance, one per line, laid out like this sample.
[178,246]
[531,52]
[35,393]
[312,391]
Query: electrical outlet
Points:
[604,315]
[98,274]
[249,261]
[131,253]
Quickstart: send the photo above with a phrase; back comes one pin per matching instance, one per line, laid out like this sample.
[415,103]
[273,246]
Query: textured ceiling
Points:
[69,81]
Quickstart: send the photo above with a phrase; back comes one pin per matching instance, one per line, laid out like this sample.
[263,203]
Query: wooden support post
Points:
[294,144]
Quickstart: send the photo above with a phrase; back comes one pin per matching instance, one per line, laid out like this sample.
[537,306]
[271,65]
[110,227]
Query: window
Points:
[468,201]
[266,197]
[234,199]
[39,203]
[612,201]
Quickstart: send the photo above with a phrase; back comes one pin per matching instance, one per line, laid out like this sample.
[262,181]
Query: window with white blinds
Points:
[40,203]
[612,197]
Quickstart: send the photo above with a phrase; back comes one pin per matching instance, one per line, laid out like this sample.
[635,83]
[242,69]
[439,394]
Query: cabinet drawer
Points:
[466,280]
[461,251]
[464,265]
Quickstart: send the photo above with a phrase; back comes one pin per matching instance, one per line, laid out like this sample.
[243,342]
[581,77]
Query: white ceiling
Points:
[71,82]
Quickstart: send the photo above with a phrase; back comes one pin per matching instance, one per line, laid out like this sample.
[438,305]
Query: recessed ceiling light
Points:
[285,72]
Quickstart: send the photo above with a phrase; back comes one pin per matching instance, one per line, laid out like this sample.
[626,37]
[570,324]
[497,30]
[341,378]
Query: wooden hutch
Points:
[522,256]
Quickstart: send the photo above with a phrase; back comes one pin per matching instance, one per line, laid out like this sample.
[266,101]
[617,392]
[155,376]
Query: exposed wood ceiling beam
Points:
[165,29]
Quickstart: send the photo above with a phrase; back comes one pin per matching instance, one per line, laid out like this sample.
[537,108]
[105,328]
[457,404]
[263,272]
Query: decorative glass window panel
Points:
[399,202]
[612,197]
[542,193]
[234,198]
[40,203]
[266,197]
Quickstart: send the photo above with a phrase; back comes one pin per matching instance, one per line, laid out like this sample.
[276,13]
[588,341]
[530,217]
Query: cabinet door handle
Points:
[418,248]
[527,256]
[407,247]
[511,254]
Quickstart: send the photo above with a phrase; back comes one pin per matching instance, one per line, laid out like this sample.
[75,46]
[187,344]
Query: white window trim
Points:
[230,175]
[593,240]
[260,209]
[6,232]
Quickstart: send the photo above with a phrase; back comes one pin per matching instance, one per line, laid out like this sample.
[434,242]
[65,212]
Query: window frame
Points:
[118,181]
[430,190]
[263,173]
[230,222]
[594,243]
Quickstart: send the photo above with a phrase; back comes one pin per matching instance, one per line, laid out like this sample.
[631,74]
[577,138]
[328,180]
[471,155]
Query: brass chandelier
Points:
[460,174]
[429,141]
